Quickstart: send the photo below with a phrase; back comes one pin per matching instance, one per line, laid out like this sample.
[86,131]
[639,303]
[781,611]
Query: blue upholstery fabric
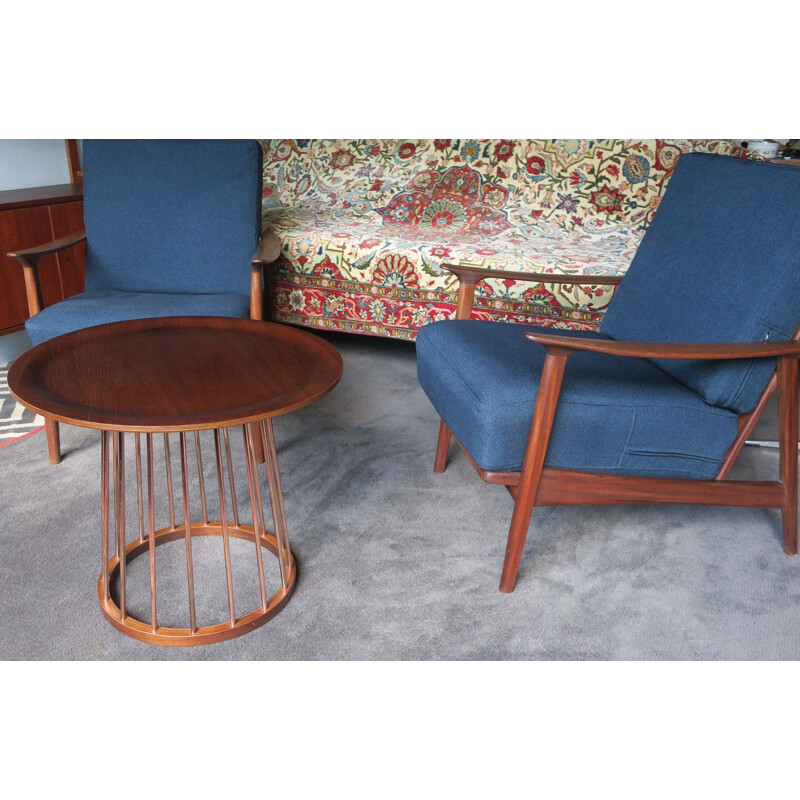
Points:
[171,227]
[98,307]
[171,215]
[719,263]
[617,415]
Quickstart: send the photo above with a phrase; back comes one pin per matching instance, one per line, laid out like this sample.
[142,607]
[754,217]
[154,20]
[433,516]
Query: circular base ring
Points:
[186,637]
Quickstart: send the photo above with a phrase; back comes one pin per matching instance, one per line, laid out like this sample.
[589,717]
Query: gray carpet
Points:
[397,563]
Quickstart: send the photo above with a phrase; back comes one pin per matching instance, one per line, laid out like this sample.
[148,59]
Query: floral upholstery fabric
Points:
[366,225]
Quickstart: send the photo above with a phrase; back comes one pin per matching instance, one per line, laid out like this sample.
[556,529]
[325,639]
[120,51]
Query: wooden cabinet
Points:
[30,217]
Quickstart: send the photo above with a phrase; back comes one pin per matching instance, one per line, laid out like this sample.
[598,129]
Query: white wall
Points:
[32,162]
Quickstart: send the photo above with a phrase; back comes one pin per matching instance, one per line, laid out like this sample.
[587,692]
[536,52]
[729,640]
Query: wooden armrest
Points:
[475,275]
[468,277]
[714,351]
[50,247]
[29,258]
[268,250]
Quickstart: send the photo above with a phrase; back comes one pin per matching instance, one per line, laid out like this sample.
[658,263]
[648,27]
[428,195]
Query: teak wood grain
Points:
[175,373]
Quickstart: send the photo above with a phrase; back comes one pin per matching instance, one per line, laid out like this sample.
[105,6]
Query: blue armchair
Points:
[656,406]
[173,228]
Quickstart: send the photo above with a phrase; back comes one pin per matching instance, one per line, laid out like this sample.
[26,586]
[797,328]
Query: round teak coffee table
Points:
[195,378]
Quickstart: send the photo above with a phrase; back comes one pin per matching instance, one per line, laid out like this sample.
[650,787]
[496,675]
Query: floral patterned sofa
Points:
[365,225]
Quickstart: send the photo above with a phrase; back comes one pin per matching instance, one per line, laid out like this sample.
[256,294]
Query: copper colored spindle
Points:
[151,525]
[224,517]
[120,520]
[234,502]
[188,524]
[252,479]
[115,462]
[276,499]
[200,475]
[104,504]
[253,431]
[168,463]
[139,490]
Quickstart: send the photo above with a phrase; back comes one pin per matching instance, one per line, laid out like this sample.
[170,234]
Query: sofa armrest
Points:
[29,259]
[469,277]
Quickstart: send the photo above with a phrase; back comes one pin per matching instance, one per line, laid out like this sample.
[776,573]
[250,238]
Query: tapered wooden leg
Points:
[787,416]
[442,446]
[532,464]
[53,440]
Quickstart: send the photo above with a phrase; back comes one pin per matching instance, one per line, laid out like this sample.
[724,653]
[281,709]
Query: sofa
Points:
[367,226]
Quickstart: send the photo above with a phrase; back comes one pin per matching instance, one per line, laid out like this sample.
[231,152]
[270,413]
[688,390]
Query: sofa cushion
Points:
[618,415]
[101,306]
[188,224]
[705,275]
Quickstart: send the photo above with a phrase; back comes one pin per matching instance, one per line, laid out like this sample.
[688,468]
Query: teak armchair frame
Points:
[537,485]
[267,251]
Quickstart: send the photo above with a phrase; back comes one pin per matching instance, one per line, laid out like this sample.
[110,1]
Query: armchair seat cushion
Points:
[101,306]
[615,415]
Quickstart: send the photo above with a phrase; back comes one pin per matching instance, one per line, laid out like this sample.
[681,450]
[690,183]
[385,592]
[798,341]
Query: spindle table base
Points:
[202,635]
[115,538]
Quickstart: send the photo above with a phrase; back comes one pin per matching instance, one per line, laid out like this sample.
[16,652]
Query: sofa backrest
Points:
[720,262]
[494,183]
[173,216]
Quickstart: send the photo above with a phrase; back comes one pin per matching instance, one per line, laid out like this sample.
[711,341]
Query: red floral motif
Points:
[460,201]
[494,196]
[327,268]
[342,159]
[667,155]
[504,149]
[284,150]
[541,296]
[463,182]
[394,269]
[608,200]
[424,181]
[442,144]
[407,150]
[535,165]
[440,252]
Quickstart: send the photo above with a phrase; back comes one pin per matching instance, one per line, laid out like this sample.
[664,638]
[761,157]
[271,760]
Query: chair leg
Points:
[517,534]
[533,462]
[53,440]
[442,446]
[787,417]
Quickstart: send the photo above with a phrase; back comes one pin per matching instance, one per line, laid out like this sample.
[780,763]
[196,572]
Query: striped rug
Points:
[16,421]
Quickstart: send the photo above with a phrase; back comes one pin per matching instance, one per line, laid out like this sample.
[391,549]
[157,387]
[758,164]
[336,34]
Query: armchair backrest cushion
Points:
[175,216]
[720,262]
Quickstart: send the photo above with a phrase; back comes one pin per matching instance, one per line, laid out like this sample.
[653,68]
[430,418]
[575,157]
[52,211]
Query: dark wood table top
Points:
[175,373]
